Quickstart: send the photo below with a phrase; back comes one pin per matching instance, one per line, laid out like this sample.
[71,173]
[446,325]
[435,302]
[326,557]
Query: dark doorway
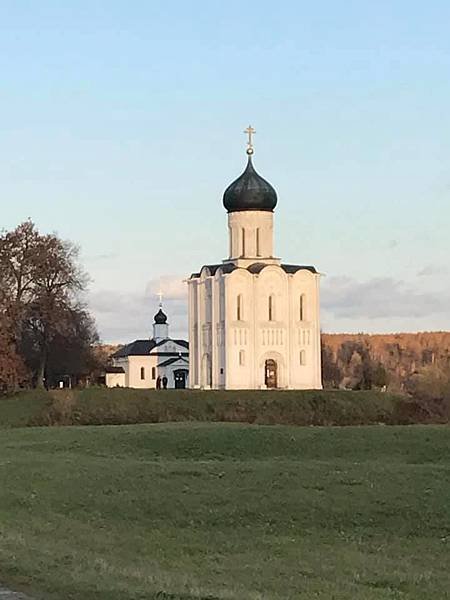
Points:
[271,373]
[180,377]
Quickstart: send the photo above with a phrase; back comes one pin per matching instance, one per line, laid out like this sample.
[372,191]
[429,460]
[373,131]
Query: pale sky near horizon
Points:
[121,125]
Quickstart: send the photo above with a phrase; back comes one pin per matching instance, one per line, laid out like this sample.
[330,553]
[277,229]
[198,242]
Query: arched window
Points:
[231,243]
[240,308]
[142,373]
[258,250]
[153,372]
[243,242]
[302,357]
[302,307]
[241,358]
[271,307]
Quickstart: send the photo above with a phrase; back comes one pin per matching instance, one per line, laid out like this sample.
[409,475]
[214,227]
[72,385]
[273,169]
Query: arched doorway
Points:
[271,373]
[180,377]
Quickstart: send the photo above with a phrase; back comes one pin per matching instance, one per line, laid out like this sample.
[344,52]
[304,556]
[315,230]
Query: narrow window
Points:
[302,357]
[302,307]
[142,373]
[241,358]
[240,308]
[258,251]
[271,308]
[153,373]
[243,242]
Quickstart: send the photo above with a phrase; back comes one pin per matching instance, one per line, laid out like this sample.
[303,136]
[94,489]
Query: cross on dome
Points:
[250,132]
[160,296]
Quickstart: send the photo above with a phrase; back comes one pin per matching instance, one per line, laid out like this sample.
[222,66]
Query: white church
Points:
[153,363]
[253,320]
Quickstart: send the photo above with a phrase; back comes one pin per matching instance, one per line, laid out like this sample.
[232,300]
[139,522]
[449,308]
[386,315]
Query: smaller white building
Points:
[154,363]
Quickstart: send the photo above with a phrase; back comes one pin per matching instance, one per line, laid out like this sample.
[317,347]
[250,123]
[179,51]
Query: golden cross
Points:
[160,295]
[249,131]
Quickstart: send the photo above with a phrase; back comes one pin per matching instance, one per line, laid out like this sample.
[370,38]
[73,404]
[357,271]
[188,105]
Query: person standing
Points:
[164,382]
[158,383]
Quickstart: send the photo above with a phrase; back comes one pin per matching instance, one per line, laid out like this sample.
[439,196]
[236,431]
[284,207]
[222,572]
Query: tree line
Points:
[46,331]
[417,364]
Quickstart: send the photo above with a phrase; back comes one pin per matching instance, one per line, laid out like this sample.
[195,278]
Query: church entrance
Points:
[180,376]
[271,373]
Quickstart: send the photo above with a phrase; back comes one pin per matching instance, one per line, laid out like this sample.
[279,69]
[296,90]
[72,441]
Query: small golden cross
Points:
[160,295]
[249,131]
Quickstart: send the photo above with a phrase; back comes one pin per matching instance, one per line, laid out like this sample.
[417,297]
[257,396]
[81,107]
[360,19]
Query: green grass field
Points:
[209,511]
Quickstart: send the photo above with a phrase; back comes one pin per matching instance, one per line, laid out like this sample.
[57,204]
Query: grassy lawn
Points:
[207,511]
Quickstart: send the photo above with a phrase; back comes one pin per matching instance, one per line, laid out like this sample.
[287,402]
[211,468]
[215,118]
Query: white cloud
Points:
[92,258]
[173,287]
[125,316]
[430,270]
[380,298]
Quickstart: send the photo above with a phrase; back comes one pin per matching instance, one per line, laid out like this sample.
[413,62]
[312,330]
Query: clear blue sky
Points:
[121,125]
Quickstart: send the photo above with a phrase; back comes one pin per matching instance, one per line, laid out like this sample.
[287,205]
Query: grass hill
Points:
[192,511]
[103,406]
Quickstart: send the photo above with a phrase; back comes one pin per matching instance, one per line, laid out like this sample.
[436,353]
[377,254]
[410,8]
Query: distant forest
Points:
[398,361]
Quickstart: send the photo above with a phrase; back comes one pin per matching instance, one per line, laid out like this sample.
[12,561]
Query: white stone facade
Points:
[145,363]
[254,322]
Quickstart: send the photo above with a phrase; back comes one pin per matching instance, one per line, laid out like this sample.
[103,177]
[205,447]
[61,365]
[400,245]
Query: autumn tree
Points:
[12,368]
[331,373]
[41,284]
[431,382]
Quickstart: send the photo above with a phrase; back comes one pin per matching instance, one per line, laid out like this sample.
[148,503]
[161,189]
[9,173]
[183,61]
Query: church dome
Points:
[160,317]
[249,192]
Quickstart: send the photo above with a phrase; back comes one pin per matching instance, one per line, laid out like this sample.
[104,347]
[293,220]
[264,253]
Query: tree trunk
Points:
[40,381]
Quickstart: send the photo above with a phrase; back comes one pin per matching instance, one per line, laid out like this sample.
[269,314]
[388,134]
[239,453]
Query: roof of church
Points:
[136,348]
[170,361]
[180,342]
[249,192]
[144,347]
[110,369]
[254,268]
[289,269]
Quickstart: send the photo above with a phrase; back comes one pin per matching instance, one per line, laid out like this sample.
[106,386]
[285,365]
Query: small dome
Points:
[250,192]
[160,317]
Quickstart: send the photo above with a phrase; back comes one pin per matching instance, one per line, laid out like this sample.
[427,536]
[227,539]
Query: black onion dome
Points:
[160,317]
[249,192]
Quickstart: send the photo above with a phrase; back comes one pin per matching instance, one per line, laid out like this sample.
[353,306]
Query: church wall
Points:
[115,380]
[204,300]
[221,312]
[239,330]
[272,324]
[194,342]
[200,330]
[122,362]
[217,333]
[135,363]
[305,327]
